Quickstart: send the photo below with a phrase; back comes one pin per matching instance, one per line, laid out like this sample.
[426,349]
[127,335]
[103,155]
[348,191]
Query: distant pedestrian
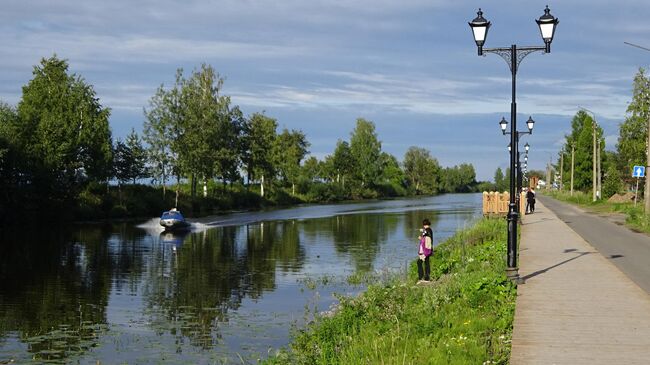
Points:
[425,250]
[530,200]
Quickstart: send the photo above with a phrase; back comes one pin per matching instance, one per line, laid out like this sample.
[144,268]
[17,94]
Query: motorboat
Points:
[173,220]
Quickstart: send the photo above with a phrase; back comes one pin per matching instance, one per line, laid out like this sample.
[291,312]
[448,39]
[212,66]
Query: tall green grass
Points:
[463,317]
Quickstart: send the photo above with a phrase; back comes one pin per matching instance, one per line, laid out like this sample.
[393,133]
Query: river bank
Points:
[464,315]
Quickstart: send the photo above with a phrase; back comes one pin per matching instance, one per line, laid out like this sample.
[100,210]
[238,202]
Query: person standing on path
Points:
[425,250]
[530,200]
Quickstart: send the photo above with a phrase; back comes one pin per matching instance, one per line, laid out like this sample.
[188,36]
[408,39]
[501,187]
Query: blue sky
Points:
[409,66]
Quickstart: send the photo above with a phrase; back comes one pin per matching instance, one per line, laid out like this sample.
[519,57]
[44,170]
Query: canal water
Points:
[230,291]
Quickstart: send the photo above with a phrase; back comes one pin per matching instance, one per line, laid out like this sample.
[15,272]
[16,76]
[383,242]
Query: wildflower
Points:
[471,259]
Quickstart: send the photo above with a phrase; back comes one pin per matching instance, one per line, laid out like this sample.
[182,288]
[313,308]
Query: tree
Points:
[391,172]
[261,136]
[500,182]
[63,127]
[342,162]
[421,170]
[162,131]
[290,149]
[613,182]
[138,168]
[311,169]
[129,159]
[200,104]
[581,138]
[633,132]
[13,167]
[365,149]
[459,179]
[156,134]
[122,162]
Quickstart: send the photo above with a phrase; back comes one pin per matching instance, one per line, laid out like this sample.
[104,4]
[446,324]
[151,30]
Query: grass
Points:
[635,216]
[463,317]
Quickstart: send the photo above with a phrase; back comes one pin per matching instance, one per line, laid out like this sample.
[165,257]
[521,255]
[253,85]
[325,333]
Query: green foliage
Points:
[422,171]
[365,149]
[159,134]
[501,181]
[129,159]
[290,148]
[339,166]
[485,186]
[464,317]
[582,141]
[311,170]
[633,132]
[392,175]
[459,179]
[613,183]
[63,127]
[261,131]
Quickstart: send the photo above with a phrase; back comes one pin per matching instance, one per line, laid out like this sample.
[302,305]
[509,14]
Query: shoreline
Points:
[465,314]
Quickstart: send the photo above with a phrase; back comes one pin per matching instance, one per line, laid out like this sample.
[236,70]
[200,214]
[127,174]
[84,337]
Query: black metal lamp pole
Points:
[513,57]
[518,178]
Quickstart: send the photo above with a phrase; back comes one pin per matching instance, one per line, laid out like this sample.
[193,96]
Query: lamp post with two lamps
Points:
[513,56]
[530,123]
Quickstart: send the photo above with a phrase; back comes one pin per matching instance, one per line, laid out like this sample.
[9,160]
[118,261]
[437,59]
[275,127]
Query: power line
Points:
[637,46]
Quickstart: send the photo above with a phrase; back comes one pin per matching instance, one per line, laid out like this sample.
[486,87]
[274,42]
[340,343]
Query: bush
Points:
[613,183]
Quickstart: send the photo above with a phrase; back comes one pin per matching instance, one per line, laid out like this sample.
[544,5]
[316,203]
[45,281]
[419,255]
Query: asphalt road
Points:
[628,250]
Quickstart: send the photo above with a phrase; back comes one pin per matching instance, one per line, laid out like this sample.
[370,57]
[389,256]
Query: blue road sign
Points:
[638,171]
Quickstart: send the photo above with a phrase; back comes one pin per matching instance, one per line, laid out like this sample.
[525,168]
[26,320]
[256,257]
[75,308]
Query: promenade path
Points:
[575,306]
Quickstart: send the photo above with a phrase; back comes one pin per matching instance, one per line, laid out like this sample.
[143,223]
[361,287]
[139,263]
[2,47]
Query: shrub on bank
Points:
[463,317]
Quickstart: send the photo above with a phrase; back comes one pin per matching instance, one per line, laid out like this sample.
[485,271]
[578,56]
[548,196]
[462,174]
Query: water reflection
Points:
[55,294]
[127,294]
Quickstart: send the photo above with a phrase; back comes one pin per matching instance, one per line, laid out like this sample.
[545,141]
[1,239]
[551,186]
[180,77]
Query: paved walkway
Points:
[575,306]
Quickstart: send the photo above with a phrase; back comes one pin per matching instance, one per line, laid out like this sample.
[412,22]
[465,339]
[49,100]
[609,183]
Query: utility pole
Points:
[573,153]
[548,173]
[593,163]
[599,172]
[562,171]
[595,166]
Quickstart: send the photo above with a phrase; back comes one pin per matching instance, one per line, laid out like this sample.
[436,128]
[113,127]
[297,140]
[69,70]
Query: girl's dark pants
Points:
[427,269]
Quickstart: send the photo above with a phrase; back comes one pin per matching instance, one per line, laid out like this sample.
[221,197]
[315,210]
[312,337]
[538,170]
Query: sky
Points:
[409,66]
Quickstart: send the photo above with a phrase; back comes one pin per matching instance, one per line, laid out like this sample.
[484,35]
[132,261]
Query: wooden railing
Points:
[496,203]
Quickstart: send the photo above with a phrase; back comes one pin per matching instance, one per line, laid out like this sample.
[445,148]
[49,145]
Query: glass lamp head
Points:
[480,28]
[503,124]
[547,24]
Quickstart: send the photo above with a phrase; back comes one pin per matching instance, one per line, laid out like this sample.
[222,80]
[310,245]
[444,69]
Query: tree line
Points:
[58,155]
[616,170]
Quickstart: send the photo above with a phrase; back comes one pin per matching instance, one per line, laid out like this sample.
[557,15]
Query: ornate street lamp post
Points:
[530,123]
[513,57]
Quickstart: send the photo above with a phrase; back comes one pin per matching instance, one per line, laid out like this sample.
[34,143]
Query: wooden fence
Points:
[496,203]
